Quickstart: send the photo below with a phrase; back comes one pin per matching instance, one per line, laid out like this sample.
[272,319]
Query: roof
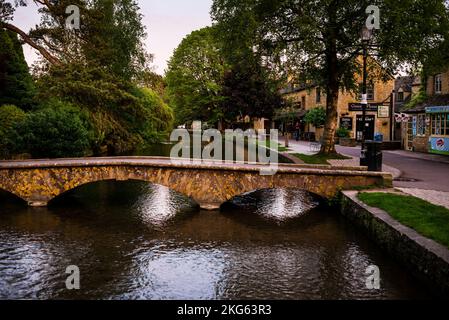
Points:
[400,105]
[432,101]
[404,83]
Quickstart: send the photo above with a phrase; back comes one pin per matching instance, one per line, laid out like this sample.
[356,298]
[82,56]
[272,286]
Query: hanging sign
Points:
[383,112]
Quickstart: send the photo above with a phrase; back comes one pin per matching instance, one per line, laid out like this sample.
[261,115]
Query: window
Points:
[438,84]
[440,124]
[400,96]
[421,125]
[318,95]
[447,124]
[369,91]
[303,102]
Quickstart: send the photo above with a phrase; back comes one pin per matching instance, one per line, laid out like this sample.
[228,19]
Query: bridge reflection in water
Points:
[138,241]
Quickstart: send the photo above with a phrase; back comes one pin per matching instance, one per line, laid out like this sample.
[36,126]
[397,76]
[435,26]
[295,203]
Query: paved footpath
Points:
[304,147]
[439,198]
[425,176]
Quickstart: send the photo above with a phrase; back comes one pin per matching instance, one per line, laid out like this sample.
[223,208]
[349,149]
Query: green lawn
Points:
[319,158]
[427,219]
[281,148]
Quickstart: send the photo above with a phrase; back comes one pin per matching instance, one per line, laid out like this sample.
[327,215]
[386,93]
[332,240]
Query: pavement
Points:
[422,175]
[304,147]
[439,198]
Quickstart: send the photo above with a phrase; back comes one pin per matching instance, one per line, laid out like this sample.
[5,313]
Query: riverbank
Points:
[425,258]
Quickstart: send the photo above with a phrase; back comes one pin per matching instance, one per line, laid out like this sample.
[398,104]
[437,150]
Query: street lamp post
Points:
[366,37]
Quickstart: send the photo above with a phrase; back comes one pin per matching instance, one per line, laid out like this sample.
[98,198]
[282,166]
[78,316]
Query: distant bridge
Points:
[209,184]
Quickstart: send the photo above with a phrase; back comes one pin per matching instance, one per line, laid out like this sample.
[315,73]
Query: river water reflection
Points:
[133,240]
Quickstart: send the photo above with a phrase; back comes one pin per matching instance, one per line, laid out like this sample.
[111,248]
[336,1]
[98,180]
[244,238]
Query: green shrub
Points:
[55,131]
[316,117]
[9,117]
[343,133]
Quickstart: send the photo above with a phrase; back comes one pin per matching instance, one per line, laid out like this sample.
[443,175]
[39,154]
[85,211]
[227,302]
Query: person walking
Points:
[297,131]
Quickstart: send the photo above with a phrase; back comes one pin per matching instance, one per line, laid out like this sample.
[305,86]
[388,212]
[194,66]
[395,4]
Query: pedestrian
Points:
[297,131]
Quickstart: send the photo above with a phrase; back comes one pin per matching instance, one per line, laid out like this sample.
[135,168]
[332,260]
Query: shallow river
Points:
[133,240]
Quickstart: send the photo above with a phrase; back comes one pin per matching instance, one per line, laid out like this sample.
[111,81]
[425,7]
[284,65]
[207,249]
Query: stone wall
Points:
[421,144]
[426,259]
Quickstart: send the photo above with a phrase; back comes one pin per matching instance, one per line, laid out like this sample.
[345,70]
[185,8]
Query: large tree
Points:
[194,78]
[248,90]
[321,38]
[16,84]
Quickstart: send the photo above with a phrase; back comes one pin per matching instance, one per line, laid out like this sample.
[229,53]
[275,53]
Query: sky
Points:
[167,23]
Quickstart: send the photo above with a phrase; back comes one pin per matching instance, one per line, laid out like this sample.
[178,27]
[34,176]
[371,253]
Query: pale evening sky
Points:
[167,23]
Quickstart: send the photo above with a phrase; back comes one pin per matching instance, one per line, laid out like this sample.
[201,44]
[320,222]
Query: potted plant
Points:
[343,135]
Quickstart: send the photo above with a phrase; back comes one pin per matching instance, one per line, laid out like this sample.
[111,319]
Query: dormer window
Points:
[437,84]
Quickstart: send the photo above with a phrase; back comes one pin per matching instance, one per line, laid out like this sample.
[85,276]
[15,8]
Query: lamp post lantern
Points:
[366,35]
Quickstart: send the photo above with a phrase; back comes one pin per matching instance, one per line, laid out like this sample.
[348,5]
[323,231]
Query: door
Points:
[370,122]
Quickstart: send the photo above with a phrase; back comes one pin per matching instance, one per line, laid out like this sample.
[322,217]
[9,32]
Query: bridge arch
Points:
[12,196]
[114,180]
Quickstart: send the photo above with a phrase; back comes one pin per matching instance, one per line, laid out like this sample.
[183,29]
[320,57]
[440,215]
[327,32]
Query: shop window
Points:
[433,124]
[447,124]
[421,125]
[440,124]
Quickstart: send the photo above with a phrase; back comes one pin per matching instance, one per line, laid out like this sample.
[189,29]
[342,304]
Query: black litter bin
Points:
[372,156]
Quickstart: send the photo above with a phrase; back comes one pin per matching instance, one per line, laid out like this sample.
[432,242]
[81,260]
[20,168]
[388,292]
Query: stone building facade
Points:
[379,118]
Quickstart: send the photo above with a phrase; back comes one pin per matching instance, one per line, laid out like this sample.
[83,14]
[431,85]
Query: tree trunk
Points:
[333,81]
[330,127]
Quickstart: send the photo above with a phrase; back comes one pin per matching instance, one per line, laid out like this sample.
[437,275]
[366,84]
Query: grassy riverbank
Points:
[427,219]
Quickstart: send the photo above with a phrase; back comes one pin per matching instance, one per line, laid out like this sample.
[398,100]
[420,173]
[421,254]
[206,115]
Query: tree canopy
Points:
[204,83]
[194,78]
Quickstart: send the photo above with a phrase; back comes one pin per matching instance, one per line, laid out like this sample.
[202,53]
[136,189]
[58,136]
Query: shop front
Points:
[438,119]
[377,120]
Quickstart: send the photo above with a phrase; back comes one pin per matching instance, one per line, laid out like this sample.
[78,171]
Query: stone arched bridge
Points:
[209,184]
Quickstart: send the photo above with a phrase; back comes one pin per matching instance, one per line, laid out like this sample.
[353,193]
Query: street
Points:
[422,171]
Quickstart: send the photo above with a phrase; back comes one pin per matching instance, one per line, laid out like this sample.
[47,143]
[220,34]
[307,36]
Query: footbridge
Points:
[210,184]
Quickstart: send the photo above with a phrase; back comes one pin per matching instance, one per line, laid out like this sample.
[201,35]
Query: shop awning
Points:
[286,115]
